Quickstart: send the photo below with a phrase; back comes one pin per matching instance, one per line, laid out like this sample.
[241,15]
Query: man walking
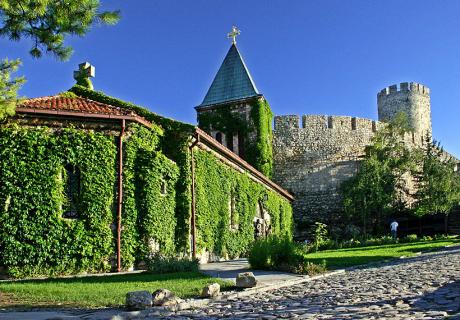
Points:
[394,229]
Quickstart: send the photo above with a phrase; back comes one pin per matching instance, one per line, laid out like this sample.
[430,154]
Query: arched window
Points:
[71,175]
[219,137]
[241,145]
[230,141]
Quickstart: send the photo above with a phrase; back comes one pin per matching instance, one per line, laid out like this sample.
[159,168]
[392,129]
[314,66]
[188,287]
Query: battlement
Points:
[324,122]
[404,87]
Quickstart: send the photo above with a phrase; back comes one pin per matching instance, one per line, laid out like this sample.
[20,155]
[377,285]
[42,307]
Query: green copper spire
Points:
[232,81]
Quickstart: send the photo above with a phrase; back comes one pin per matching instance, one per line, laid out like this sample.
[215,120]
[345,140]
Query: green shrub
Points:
[319,235]
[281,253]
[274,252]
[310,268]
[168,264]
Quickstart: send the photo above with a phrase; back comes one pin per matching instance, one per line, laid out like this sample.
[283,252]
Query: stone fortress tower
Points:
[411,98]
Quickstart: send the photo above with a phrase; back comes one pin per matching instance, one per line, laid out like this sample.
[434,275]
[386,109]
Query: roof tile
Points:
[76,104]
[232,81]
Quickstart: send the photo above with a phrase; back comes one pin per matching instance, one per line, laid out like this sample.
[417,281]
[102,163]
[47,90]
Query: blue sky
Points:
[307,57]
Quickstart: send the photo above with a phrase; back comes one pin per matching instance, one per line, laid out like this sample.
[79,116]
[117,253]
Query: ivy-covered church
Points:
[91,183]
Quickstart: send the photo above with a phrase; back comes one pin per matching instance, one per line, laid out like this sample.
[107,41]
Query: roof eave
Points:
[202,107]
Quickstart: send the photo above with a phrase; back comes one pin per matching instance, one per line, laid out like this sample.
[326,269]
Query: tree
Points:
[379,189]
[8,87]
[437,182]
[49,22]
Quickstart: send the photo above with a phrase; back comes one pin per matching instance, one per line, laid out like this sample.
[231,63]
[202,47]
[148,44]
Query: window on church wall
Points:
[71,178]
[219,137]
[230,141]
[163,187]
[240,145]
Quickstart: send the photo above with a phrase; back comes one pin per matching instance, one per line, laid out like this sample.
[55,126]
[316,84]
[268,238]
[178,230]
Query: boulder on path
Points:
[138,300]
[164,297]
[246,280]
[211,291]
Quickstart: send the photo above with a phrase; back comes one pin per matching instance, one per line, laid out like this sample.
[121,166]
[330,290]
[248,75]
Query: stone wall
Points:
[411,98]
[311,160]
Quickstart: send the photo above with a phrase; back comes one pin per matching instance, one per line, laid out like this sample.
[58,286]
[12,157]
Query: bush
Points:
[410,238]
[319,234]
[164,264]
[281,253]
[310,268]
[273,251]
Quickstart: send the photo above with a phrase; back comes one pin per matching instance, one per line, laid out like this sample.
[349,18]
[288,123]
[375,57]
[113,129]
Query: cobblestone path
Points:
[424,287]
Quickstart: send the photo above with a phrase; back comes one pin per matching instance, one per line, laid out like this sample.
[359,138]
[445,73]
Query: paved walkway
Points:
[424,287]
[228,270]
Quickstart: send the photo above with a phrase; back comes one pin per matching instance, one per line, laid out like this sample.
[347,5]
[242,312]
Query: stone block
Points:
[164,297]
[138,300]
[246,280]
[211,291]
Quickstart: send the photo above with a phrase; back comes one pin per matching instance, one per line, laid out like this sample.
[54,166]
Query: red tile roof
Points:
[76,104]
[77,107]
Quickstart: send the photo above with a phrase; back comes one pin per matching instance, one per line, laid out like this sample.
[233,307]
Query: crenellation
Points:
[330,123]
[363,124]
[314,121]
[404,87]
[393,88]
[342,123]
[323,123]
[287,122]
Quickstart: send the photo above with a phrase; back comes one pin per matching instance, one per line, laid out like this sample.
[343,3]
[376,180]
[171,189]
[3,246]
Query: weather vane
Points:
[233,34]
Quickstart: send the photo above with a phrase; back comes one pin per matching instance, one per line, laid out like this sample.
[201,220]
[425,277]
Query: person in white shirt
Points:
[394,229]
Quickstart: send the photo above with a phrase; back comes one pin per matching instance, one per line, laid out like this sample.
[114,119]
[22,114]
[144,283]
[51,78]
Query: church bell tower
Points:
[236,114]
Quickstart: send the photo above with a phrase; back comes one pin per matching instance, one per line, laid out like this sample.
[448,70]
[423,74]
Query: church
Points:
[91,183]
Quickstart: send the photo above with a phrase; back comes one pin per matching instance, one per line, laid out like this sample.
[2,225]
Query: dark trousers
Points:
[393,233]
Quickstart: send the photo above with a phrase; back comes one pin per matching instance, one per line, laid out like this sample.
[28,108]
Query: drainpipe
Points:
[192,220]
[120,193]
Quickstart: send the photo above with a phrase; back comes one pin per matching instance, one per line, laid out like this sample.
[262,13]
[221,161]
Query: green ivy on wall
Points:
[261,155]
[257,152]
[148,212]
[34,238]
[216,184]
[174,143]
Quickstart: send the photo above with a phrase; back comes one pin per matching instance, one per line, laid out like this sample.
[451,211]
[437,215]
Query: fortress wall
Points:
[314,155]
[312,159]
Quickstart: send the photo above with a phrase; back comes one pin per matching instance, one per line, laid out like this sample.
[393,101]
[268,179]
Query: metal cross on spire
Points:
[233,34]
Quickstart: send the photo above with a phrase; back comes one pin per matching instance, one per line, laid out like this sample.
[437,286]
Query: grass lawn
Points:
[342,258]
[98,291]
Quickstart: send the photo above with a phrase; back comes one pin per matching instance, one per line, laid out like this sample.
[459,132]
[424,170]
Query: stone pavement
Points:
[423,287]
